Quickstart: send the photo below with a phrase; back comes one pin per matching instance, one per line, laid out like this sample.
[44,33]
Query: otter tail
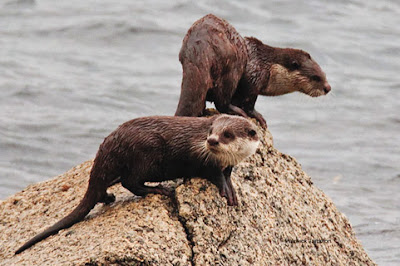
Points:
[92,196]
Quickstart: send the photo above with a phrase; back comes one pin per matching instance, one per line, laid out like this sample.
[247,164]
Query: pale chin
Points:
[313,93]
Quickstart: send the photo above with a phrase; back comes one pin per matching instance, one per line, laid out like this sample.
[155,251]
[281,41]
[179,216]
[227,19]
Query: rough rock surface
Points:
[282,218]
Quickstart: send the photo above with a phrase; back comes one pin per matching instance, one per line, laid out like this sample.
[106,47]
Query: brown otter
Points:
[222,67]
[154,149]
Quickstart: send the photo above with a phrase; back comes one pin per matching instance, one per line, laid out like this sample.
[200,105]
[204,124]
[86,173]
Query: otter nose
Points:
[212,142]
[327,88]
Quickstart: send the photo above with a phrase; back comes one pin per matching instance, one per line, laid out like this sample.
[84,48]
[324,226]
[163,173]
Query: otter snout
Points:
[327,87]
[212,142]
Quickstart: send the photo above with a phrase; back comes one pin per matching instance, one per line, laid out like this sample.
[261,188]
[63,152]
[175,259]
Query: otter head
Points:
[231,139]
[295,70]
[287,69]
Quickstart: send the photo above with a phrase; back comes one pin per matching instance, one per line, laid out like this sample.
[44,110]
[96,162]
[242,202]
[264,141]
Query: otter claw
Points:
[164,191]
[223,193]
[229,195]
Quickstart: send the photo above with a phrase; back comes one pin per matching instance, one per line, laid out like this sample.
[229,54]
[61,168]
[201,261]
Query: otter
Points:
[159,148]
[222,67]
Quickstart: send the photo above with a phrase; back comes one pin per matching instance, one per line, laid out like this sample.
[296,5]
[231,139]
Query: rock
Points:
[282,218]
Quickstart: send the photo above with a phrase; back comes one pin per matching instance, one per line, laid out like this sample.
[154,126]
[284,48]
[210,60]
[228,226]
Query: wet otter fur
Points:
[159,148]
[222,67]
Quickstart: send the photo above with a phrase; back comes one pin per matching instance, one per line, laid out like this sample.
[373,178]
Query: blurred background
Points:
[72,71]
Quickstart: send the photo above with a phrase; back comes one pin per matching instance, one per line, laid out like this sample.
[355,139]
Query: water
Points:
[72,71]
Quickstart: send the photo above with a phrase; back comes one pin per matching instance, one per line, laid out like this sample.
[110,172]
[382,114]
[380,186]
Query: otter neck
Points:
[263,70]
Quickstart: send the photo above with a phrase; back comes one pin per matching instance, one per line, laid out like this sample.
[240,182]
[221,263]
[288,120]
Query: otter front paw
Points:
[164,191]
[258,117]
[230,195]
[108,198]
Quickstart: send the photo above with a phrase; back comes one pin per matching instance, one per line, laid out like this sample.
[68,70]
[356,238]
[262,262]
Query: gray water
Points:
[72,71]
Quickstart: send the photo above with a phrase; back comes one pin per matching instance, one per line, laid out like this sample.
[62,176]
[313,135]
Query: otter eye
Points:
[210,131]
[228,135]
[316,78]
[295,64]
[252,133]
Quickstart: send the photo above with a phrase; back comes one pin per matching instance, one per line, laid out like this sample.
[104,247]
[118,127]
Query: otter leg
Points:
[195,84]
[161,190]
[237,111]
[224,189]
[228,108]
[140,189]
[227,173]
[253,113]
[231,109]
[107,198]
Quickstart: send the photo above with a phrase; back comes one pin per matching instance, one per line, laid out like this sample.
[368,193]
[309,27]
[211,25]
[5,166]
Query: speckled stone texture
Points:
[282,219]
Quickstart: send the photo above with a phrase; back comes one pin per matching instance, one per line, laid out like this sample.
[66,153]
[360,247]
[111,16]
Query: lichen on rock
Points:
[282,218]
